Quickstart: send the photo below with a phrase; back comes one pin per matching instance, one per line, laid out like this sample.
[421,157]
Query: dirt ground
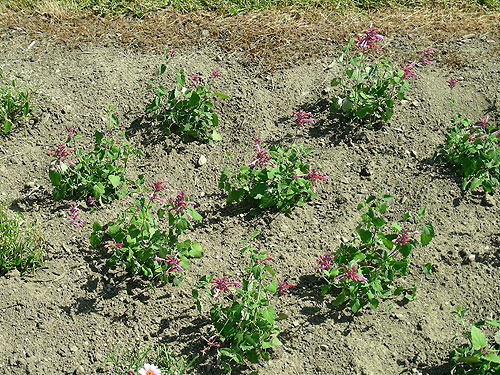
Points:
[72,312]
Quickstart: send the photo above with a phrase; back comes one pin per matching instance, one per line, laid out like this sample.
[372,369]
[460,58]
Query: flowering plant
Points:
[364,269]
[471,148]
[243,319]
[99,175]
[480,356]
[369,90]
[279,178]
[137,242]
[186,109]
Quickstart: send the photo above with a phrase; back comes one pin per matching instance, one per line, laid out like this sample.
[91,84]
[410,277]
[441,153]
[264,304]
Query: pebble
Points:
[324,347]
[487,200]
[79,370]
[205,33]
[202,160]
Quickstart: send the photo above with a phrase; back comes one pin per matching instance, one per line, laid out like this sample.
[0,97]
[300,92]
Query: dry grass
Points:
[273,38]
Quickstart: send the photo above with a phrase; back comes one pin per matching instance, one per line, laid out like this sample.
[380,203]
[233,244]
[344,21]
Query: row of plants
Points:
[148,236]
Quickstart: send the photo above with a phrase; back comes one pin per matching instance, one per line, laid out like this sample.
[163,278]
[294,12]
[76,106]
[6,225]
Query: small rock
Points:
[14,274]
[202,160]
[73,349]
[469,36]
[487,200]
[79,370]
[205,33]
[29,185]
[415,103]
[471,258]
[324,347]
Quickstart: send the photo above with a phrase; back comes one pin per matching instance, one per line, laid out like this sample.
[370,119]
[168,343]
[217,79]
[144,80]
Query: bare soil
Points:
[71,313]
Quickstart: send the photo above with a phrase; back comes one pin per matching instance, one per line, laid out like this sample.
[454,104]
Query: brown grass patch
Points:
[272,38]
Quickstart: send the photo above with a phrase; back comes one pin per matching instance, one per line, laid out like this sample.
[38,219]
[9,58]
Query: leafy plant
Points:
[243,319]
[98,175]
[481,356]
[366,268]
[127,362]
[471,149]
[14,103]
[187,109]
[370,88]
[22,247]
[281,178]
[138,243]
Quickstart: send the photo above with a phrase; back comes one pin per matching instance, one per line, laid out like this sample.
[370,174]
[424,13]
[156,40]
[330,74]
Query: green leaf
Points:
[98,190]
[215,136]
[7,126]
[196,250]
[268,314]
[340,298]
[413,295]
[362,112]
[98,137]
[115,180]
[55,177]
[336,81]
[491,357]
[347,106]
[365,235]
[478,340]
[221,95]
[427,234]
[273,286]
[475,183]
[427,268]
[96,227]
[253,356]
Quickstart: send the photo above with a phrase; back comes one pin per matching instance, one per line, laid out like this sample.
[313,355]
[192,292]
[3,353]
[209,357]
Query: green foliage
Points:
[138,239]
[14,104]
[369,90]
[186,110]
[99,174]
[471,149]
[132,360]
[22,247]
[275,183]
[366,268]
[481,356]
[243,318]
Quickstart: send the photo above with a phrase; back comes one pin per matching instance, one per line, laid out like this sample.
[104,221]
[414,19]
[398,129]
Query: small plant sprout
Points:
[187,109]
[279,179]
[365,269]
[14,103]
[481,355]
[139,242]
[369,39]
[243,323]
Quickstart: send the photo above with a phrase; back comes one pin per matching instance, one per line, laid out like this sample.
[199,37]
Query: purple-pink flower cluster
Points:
[425,55]
[179,204]
[301,117]
[313,176]
[452,82]
[210,343]
[482,124]
[407,73]
[221,285]
[61,153]
[261,157]
[173,261]
[74,218]
[368,40]
[282,285]
[158,187]
[352,273]
[324,261]
[404,237]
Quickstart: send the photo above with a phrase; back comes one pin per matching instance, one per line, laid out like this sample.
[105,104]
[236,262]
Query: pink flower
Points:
[216,73]
[171,52]
[221,285]
[404,237]
[210,343]
[261,157]
[324,261]
[179,204]
[451,83]
[407,73]
[148,369]
[114,245]
[195,80]
[352,273]
[426,54]
[61,152]
[368,39]
[173,261]
[282,285]
[483,123]
[71,132]
[157,187]
[74,218]
[301,117]
[313,176]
